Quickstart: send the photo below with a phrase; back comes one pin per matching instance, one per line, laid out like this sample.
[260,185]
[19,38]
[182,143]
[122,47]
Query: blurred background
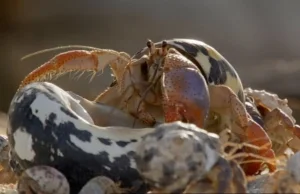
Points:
[260,38]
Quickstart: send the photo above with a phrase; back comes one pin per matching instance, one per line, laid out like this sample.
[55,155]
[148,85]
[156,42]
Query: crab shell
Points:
[43,129]
[214,67]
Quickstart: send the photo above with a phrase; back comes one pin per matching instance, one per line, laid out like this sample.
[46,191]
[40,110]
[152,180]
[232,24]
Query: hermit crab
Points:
[135,78]
[179,79]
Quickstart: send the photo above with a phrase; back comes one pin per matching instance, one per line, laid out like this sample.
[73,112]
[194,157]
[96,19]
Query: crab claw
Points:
[256,135]
[185,92]
[79,60]
[43,179]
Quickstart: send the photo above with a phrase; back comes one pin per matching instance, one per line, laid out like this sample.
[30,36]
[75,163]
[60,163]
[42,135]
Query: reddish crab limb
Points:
[256,135]
[225,102]
[78,60]
[185,93]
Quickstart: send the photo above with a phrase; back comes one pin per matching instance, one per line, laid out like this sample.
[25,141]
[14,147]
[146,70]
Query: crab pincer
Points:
[76,60]
[185,95]
[185,92]
[257,136]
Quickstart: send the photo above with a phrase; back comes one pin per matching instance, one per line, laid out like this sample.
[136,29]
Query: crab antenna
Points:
[164,47]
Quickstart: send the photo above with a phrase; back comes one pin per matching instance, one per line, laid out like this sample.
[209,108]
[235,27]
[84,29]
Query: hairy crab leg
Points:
[223,99]
[256,135]
[185,92]
[78,60]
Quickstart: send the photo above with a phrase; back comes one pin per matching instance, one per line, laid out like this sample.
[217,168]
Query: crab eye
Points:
[145,71]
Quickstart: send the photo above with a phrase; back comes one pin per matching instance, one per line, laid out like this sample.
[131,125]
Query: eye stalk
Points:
[164,49]
[151,47]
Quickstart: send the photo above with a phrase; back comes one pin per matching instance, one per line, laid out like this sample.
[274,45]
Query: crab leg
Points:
[223,99]
[185,92]
[258,137]
[75,60]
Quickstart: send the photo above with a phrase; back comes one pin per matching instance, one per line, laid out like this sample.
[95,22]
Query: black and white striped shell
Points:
[214,67]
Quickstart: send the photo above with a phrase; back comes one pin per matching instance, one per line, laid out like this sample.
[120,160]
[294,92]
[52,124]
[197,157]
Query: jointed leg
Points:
[77,60]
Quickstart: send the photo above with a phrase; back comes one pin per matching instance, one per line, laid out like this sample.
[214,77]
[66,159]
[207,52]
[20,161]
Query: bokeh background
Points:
[260,38]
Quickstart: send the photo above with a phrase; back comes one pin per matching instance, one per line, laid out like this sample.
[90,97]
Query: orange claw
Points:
[75,60]
[257,136]
[185,92]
